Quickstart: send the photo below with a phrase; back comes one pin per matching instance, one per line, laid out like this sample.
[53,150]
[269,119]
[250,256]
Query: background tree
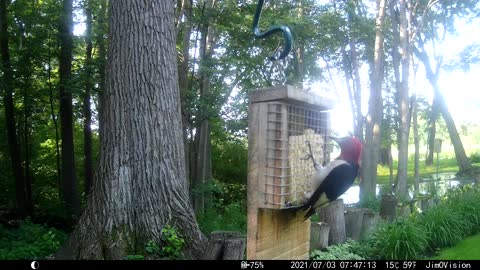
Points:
[87,113]
[404,46]
[69,181]
[432,15]
[370,157]
[11,124]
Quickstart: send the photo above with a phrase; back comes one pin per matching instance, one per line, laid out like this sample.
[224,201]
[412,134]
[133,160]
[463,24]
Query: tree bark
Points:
[13,140]
[333,215]
[87,113]
[70,192]
[353,222]
[416,140]
[371,151]
[403,103]
[388,207]
[369,224]
[431,130]
[140,184]
[319,232]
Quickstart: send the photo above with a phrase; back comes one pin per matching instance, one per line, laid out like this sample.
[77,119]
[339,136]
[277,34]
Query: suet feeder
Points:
[288,129]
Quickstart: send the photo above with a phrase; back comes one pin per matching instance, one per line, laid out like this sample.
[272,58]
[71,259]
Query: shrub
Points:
[456,217]
[345,251]
[172,243]
[445,227]
[475,157]
[231,217]
[29,241]
[400,240]
[169,248]
[373,204]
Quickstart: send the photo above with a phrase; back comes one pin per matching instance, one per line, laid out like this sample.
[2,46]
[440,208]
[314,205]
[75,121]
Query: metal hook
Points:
[287,35]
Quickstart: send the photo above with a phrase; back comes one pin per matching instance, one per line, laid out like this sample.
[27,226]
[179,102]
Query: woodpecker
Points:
[332,180]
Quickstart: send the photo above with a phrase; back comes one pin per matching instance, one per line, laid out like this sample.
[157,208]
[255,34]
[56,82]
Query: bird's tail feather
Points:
[312,210]
[296,208]
[309,213]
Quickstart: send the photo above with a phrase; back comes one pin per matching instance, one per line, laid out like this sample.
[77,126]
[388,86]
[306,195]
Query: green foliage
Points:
[172,244]
[222,194]
[456,217]
[373,204]
[402,239]
[445,227]
[232,217]
[345,251]
[135,257]
[229,160]
[475,157]
[29,241]
[169,248]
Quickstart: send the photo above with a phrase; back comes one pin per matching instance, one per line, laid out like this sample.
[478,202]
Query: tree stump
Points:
[353,222]
[334,216]
[234,249]
[319,235]
[426,204]
[369,224]
[404,210]
[388,207]
[224,245]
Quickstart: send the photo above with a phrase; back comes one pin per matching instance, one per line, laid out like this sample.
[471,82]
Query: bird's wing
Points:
[338,180]
[323,172]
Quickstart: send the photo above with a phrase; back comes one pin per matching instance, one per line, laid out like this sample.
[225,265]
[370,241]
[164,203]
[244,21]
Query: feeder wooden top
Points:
[290,94]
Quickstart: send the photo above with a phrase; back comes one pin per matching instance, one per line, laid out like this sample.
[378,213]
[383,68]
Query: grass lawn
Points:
[468,249]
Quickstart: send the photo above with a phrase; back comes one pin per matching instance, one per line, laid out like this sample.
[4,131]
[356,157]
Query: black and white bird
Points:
[333,179]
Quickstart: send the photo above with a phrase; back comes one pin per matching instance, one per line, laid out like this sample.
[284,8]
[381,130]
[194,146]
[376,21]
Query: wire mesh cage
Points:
[286,127]
[293,134]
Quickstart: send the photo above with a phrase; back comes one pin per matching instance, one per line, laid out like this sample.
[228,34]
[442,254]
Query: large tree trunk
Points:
[70,192]
[374,117]
[403,103]
[462,160]
[140,184]
[87,113]
[13,140]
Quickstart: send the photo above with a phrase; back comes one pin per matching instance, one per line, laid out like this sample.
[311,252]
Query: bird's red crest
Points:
[351,149]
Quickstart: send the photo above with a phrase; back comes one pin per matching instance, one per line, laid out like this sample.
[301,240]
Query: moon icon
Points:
[34,265]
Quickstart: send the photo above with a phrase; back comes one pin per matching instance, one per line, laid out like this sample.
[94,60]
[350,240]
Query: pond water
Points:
[433,185]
